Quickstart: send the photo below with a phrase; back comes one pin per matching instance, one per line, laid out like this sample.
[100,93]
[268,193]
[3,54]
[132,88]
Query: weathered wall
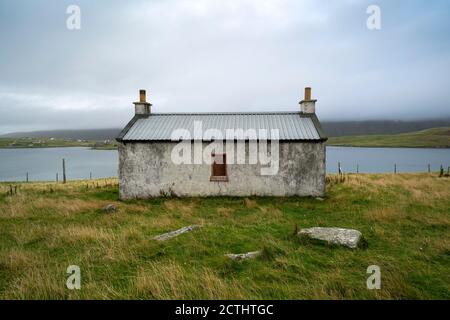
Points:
[146,170]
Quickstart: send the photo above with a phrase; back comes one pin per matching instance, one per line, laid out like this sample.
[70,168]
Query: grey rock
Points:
[110,208]
[349,238]
[243,256]
[172,234]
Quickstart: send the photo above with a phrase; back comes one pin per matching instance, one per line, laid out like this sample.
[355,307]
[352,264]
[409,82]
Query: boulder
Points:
[243,256]
[349,238]
[172,234]
[110,208]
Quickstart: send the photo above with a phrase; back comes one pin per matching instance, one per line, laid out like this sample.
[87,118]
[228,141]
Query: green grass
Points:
[430,138]
[405,219]
[52,143]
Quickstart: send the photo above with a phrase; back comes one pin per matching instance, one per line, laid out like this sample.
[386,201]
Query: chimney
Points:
[307,105]
[142,107]
[142,97]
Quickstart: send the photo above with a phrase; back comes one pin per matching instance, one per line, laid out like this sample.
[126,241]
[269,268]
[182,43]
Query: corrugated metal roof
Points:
[161,126]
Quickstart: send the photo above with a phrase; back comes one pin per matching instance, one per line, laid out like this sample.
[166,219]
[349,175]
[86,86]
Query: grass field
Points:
[430,138]
[405,219]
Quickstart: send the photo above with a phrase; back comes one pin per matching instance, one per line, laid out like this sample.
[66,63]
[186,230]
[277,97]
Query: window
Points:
[219,167]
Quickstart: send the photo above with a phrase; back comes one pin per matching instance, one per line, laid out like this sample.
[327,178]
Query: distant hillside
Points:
[82,134]
[430,138]
[350,128]
[332,129]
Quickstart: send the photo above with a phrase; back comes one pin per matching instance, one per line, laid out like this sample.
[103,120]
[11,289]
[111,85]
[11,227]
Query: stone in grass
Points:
[243,256]
[110,208]
[349,238]
[172,234]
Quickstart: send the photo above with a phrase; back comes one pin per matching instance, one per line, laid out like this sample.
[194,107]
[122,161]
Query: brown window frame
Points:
[219,178]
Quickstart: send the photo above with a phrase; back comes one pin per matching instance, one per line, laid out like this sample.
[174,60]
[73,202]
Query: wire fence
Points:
[341,167]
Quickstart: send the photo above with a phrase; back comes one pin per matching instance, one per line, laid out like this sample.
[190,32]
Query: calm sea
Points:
[44,164]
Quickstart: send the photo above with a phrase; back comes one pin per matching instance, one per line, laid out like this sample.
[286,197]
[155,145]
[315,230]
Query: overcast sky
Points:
[214,55]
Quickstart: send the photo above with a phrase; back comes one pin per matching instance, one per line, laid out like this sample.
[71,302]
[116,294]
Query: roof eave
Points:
[318,126]
[128,127]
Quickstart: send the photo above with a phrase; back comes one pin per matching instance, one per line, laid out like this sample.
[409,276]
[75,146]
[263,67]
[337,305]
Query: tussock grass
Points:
[384,214]
[405,219]
[249,203]
[171,280]
[224,212]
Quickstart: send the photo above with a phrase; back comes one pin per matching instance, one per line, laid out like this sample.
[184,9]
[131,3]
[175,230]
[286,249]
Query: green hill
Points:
[430,138]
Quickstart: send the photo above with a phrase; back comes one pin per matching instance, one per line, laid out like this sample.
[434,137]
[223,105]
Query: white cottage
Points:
[222,154]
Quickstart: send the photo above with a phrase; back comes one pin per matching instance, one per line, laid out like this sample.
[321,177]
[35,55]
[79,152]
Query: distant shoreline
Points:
[435,138]
[328,145]
[40,143]
[52,147]
[390,147]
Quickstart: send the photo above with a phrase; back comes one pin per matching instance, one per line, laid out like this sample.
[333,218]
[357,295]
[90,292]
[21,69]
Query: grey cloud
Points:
[197,55]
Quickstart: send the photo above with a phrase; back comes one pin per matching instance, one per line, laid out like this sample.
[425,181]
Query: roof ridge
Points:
[223,113]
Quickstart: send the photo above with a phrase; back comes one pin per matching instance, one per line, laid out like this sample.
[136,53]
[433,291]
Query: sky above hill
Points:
[214,55]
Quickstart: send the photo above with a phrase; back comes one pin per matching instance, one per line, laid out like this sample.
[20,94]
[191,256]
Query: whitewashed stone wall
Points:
[146,170]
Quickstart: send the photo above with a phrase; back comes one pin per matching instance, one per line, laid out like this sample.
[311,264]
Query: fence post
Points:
[395,168]
[57,177]
[64,170]
[357,168]
[90,175]
[339,168]
[27,176]
[429,168]
[441,171]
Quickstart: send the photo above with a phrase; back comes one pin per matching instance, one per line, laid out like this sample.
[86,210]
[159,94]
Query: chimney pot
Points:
[142,96]
[307,93]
